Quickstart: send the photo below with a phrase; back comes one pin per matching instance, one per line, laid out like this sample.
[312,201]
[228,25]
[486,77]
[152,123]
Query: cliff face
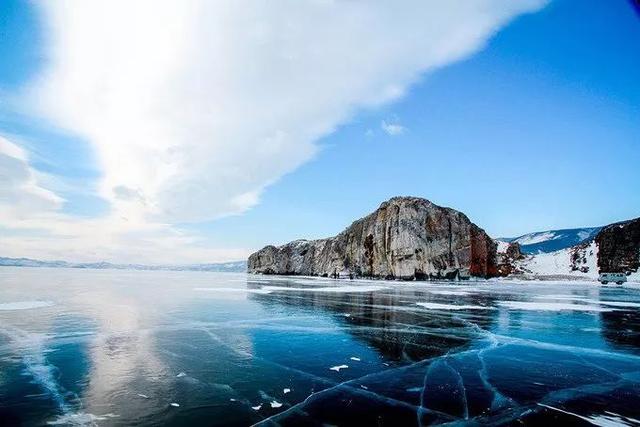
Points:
[619,247]
[405,238]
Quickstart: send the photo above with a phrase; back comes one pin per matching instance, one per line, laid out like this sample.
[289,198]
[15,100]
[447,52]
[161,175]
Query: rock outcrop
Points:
[580,257]
[508,260]
[405,238]
[619,247]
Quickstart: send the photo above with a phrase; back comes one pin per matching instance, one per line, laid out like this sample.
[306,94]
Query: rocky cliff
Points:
[619,247]
[405,238]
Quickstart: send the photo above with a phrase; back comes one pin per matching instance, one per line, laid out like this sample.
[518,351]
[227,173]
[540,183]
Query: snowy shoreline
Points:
[524,279]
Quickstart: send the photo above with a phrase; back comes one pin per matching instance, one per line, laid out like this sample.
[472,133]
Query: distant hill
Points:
[553,240]
[231,267]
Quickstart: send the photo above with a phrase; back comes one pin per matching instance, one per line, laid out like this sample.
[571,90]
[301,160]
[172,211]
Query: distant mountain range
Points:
[231,267]
[552,240]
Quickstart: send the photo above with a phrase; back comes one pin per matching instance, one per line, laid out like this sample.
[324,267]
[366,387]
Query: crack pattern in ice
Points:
[33,350]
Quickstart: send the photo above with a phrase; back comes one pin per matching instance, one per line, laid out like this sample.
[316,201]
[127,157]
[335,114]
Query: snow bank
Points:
[559,263]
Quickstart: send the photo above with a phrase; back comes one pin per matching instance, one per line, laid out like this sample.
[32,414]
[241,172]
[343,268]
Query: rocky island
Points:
[406,238]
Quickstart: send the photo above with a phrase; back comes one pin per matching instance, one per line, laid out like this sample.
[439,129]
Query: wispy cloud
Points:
[392,128]
[194,107]
[20,192]
[40,229]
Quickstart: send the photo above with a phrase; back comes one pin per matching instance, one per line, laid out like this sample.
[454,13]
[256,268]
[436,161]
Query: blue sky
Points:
[536,129]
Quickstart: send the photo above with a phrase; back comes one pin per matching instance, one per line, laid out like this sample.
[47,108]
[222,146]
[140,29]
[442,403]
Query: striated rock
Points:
[405,238]
[619,247]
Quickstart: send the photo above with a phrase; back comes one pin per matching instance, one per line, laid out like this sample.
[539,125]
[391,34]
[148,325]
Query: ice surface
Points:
[418,353]
[608,419]
[80,419]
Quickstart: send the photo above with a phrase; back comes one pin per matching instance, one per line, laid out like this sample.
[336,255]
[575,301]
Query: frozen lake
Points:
[105,347]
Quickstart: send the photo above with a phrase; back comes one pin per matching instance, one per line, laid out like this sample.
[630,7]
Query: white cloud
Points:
[20,192]
[391,128]
[195,106]
[37,228]
[61,237]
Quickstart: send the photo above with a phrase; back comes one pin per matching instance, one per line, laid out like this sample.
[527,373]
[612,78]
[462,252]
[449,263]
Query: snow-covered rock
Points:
[579,262]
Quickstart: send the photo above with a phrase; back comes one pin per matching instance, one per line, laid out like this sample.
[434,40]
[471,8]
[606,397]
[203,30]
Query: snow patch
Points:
[438,306]
[533,238]
[338,289]
[230,290]
[560,263]
[552,306]
[24,305]
[502,246]
[459,293]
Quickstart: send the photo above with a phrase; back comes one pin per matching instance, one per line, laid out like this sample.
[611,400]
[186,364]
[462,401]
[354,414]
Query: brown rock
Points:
[507,261]
[619,247]
[405,238]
